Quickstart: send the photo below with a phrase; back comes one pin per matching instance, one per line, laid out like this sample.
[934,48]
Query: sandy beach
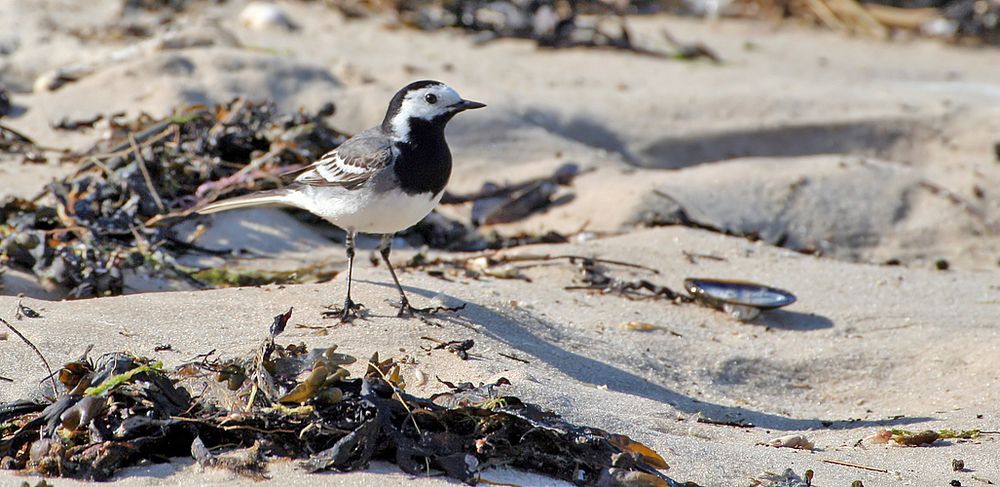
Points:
[865,172]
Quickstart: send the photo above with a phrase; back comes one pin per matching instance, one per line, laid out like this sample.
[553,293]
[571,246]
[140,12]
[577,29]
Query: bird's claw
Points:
[348,313]
[408,310]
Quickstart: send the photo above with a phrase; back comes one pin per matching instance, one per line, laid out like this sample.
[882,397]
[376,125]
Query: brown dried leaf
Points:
[651,458]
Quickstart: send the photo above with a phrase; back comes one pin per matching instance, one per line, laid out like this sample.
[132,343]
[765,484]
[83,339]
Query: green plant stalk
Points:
[119,379]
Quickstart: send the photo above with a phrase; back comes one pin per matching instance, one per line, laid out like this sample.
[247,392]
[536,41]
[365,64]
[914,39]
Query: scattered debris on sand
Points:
[922,438]
[551,25]
[955,20]
[289,401]
[798,442]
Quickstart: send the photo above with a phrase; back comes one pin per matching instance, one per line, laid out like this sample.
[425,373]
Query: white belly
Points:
[363,211]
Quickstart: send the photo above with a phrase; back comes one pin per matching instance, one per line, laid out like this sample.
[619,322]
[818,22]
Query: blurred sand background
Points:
[811,139]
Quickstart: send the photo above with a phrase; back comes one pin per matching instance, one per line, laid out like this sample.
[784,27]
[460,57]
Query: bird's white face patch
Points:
[425,103]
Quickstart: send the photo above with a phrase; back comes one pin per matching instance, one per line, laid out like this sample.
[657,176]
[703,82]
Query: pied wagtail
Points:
[382,180]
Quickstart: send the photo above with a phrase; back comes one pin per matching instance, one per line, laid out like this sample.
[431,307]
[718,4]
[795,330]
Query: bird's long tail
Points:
[275,197]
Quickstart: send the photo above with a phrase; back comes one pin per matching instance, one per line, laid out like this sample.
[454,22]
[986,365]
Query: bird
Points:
[380,181]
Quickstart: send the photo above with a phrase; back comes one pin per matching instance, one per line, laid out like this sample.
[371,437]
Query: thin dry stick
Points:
[102,166]
[6,379]
[15,133]
[825,15]
[396,393]
[855,465]
[860,19]
[507,259]
[120,150]
[38,352]
[145,173]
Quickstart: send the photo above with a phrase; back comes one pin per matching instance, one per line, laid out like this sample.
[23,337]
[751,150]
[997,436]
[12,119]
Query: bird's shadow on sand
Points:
[592,371]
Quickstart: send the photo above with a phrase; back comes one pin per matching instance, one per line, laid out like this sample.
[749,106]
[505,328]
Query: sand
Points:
[819,140]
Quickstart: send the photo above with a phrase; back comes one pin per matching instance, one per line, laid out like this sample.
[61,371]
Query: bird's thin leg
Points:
[385,248]
[350,307]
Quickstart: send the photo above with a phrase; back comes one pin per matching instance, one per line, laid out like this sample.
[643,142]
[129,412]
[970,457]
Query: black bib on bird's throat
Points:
[424,161]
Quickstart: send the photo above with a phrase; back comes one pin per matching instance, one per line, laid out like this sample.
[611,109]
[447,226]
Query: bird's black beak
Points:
[467,105]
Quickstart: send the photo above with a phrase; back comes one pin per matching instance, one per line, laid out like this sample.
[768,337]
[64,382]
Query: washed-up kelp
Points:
[288,401]
[975,20]
[551,24]
[83,231]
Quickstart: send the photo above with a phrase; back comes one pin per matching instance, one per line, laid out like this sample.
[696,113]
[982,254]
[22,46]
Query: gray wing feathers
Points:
[349,166]
[352,164]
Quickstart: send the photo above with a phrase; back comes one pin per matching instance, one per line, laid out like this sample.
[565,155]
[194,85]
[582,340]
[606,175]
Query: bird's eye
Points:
[431,98]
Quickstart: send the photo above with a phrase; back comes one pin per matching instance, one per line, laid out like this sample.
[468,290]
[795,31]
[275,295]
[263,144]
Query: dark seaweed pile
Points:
[82,232]
[558,24]
[292,402]
[551,24]
[973,18]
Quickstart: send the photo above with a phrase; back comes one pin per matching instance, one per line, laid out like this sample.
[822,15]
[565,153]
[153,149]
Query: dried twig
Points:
[693,257]
[21,137]
[141,161]
[149,136]
[825,15]
[854,465]
[396,393]
[734,424]
[38,352]
[514,357]
[853,13]
[507,259]
[690,50]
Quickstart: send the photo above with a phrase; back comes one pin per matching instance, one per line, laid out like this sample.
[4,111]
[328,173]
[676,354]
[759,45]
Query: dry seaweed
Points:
[293,402]
[550,24]
[923,438]
[949,19]
[596,278]
[117,211]
[458,347]
[23,311]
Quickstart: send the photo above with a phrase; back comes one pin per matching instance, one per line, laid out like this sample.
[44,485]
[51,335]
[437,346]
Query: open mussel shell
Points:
[741,299]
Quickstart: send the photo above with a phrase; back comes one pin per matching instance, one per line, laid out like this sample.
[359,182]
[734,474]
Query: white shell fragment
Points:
[421,377]
[791,441]
[740,299]
[264,16]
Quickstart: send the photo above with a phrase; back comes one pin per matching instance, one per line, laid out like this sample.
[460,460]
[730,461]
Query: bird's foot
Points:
[347,313]
[408,310]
